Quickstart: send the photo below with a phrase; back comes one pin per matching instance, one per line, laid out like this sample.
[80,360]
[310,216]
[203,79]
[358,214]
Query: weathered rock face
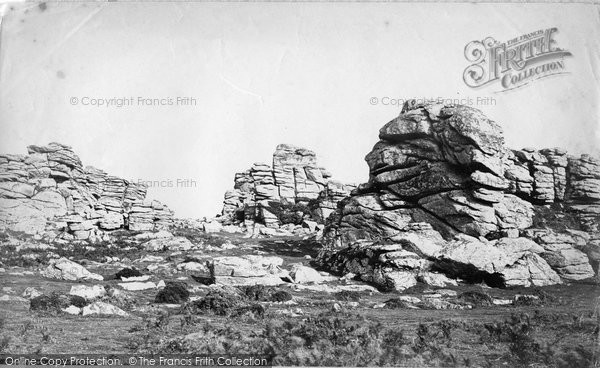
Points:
[294,179]
[441,177]
[49,191]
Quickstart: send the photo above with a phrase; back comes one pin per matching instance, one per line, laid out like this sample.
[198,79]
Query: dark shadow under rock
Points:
[468,273]
[128,272]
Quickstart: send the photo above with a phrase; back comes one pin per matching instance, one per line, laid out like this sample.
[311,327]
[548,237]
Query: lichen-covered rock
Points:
[562,253]
[439,164]
[294,180]
[505,262]
[246,270]
[65,269]
[399,265]
[39,190]
[440,178]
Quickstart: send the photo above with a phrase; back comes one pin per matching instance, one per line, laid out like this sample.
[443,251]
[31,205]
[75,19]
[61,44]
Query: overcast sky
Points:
[270,73]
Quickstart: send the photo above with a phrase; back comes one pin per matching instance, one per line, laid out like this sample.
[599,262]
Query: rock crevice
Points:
[49,192]
[444,170]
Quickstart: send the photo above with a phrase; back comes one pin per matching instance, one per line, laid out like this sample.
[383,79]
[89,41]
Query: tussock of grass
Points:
[263,293]
[475,298]
[174,292]
[55,302]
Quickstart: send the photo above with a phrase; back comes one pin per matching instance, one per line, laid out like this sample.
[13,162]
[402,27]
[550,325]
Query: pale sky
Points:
[270,73]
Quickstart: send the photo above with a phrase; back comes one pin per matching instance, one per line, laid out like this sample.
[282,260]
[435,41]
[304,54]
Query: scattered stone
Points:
[71,309]
[502,302]
[162,234]
[172,243]
[193,266]
[136,286]
[65,269]
[31,293]
[305,275]
[150,259]
[102,308]
[88,292]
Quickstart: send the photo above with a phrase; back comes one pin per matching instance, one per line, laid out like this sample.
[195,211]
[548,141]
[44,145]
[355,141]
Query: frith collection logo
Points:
[516,62]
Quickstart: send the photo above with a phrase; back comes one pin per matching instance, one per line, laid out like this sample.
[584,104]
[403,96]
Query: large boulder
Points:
[443,186]
[504,262]
[399,265]
[246,270]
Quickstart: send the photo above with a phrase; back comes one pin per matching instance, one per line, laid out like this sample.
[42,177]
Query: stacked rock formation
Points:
[49,192]
[444,188]
[294,178]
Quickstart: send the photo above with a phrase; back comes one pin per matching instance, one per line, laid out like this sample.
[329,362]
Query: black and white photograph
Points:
[300,183]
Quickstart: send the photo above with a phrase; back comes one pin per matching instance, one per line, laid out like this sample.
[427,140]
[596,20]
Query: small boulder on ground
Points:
[162,234]
[162,244]
[88,292]
[64,269]
[136,286]
[31,293]
[304,275]
[73,310]
[212,227]
[102,308]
